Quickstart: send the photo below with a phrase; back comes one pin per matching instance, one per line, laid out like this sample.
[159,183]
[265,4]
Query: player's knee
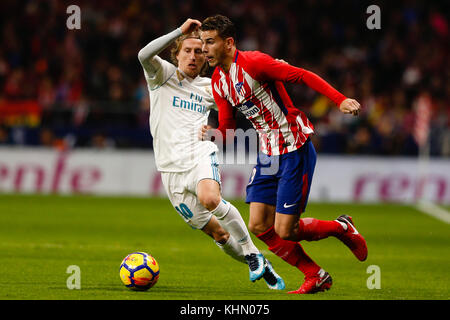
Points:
[209,200]
[287,236]
[257,227]
[286,233]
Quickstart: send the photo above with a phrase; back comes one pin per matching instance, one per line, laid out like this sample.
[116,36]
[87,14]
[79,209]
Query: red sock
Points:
[290,251]
[311,229]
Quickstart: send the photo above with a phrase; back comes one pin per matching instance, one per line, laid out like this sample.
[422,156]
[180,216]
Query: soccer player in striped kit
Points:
[252,82]
[180,101]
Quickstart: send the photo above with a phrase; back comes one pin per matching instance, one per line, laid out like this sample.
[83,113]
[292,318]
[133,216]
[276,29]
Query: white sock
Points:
[233,249]
[231,220]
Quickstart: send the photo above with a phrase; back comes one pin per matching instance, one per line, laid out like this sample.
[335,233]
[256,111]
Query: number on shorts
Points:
[184,211]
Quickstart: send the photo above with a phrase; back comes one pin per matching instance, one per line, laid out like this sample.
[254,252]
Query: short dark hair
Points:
[223,25]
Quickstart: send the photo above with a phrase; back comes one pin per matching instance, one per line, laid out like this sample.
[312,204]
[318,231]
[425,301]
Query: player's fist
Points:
[281,60]
[190,25]
[203,132]
[350,106]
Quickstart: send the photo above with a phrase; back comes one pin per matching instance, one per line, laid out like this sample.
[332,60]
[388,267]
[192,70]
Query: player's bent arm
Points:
[147,55]
[224,131]
[226,116]
[227,121]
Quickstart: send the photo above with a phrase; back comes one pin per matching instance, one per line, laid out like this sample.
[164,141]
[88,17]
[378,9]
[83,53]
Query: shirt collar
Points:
[235,57]
[236,54]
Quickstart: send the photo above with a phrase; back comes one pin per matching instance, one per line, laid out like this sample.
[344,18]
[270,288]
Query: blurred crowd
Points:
[90,91]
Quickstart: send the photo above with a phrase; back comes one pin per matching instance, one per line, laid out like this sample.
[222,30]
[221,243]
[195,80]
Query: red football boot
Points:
[320,282]
[352,239]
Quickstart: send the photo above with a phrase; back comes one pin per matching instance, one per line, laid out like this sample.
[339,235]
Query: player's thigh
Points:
[207,168]
[262,217]
[190,209]
[184,201]
[262,186]
[296,173]
[204,181]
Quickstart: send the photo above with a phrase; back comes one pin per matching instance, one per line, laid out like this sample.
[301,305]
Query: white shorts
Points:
[181,187]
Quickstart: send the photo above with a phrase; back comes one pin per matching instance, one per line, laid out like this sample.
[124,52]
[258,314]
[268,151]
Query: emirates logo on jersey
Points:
[240,88]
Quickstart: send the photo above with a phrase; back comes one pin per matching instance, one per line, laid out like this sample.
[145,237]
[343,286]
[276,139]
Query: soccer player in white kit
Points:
[180,101]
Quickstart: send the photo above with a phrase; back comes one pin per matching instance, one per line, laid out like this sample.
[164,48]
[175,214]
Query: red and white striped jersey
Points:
[254,86]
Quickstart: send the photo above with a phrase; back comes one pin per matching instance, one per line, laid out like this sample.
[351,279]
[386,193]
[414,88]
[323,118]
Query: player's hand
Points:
[203,132]
[190,25]
[350,106]
[281,60]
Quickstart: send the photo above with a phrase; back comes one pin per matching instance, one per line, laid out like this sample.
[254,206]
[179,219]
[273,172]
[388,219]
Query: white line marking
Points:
[433,210]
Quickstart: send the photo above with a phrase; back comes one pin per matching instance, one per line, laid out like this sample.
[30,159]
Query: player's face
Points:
[191,58]
[213,47]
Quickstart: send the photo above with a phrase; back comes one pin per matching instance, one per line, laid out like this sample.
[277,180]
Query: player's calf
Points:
[311,229]
[215,231]
[232,248]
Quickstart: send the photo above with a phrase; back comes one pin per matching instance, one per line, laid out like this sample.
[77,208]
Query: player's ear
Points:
[229,43]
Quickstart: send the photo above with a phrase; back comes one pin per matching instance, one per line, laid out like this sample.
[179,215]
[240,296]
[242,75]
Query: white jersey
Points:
[179,106]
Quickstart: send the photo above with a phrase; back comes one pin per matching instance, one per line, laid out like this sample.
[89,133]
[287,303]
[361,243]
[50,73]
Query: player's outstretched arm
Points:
[268,68]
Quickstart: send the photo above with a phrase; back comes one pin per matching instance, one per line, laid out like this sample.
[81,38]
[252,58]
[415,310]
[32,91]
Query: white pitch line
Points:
[433,210]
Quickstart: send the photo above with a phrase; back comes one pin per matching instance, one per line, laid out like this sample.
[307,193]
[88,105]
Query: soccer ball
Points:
[139,271]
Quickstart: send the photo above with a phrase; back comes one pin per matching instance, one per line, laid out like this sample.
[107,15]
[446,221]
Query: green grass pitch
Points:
[40,236]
